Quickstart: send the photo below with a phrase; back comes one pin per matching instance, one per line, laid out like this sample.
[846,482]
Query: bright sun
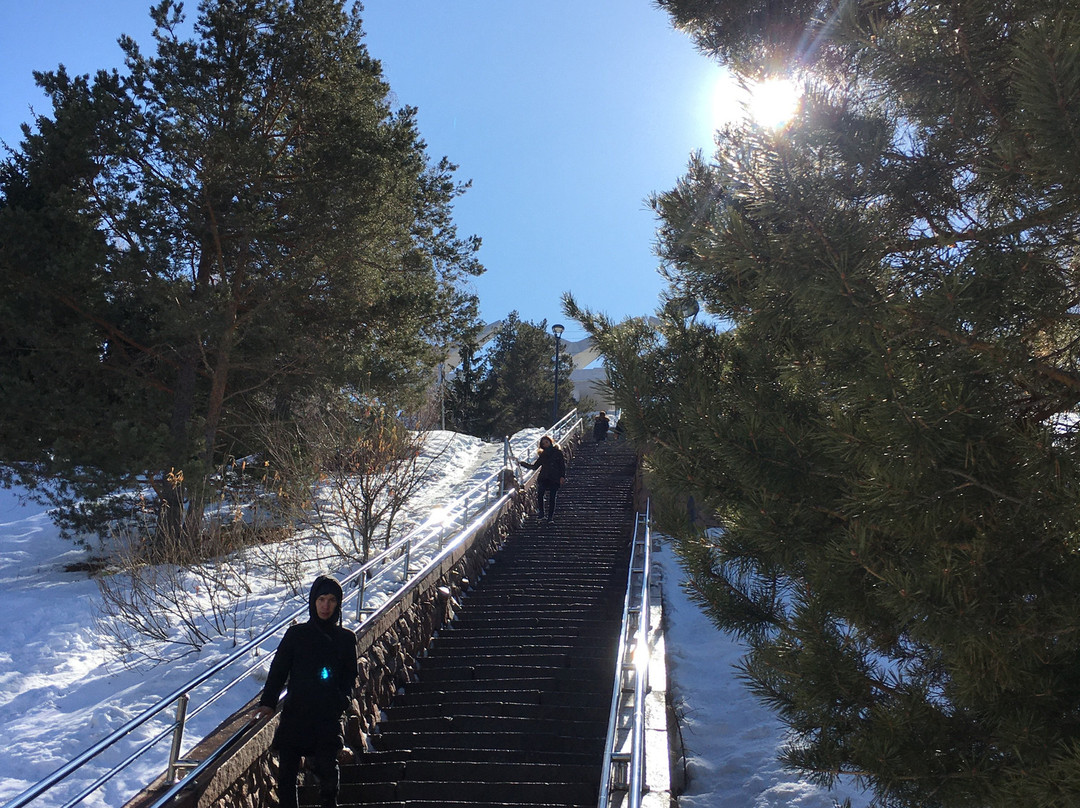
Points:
[773,102]
[770,103]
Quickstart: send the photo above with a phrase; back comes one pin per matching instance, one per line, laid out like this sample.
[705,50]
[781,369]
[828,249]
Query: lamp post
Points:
[557,330]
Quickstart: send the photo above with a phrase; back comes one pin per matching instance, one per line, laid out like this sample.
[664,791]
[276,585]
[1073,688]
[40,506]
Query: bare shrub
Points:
[360,466]
[340,473]
[162,597]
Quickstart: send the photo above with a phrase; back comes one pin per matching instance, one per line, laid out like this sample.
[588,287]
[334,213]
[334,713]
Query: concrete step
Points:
[581,749]
[421,695]
[500,643]
[570,626]
[508,678]
[552,684]
[500,649]
[534,658]
[398,765]
[579,728]
[472,792]
[511,614]
[502,709]
[494,672]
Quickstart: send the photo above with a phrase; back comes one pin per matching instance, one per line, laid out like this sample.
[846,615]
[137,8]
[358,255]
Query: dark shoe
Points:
[540,520]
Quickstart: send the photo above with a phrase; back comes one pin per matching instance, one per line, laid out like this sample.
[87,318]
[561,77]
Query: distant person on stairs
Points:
[552,465]
[600,426]
[318,661]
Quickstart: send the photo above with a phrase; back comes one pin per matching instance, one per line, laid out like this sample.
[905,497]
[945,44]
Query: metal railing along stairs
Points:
[394,569]
[624,755]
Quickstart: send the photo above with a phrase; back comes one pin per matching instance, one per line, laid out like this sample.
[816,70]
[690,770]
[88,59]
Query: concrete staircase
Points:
[510,704]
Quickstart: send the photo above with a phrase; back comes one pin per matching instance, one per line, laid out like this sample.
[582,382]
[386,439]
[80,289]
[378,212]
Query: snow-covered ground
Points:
[731,741]
[61,689]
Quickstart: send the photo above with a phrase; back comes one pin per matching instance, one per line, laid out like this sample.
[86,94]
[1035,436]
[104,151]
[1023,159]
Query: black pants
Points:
[325,766]
[551,492]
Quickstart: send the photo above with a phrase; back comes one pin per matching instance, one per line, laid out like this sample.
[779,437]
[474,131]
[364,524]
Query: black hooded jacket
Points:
[552,465]
[600,427]
[318,661]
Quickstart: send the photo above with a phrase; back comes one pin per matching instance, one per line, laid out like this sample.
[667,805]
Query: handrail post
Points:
[178,735]
[506,464]
[361,582]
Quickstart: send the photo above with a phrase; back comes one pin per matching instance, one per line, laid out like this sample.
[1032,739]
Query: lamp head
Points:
[557,329]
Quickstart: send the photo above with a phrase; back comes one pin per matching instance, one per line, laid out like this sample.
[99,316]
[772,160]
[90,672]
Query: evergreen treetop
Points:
[237,223]
[511,385]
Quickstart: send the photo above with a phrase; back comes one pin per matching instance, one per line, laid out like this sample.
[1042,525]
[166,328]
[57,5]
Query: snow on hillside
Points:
[61,690]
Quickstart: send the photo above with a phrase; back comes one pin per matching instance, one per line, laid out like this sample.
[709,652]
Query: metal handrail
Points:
[205,764]
[420,537]
[564,428]
[641,659]
[625,771]
[566,425]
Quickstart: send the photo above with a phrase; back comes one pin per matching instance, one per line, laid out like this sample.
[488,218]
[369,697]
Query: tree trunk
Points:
[171,509]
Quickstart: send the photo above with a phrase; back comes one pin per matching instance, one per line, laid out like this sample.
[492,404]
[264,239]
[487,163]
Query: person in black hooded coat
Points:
[318,661]
[552,464]
[600,427]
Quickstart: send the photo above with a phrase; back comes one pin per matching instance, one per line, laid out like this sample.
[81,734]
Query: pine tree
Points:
[516,384]
[234,225]
[462,403]
[866,447]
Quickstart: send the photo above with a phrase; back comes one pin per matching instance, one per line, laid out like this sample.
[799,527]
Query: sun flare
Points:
[773,102]
[770,103]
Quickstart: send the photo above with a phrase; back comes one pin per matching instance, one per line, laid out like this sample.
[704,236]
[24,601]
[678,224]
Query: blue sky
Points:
[565,115]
